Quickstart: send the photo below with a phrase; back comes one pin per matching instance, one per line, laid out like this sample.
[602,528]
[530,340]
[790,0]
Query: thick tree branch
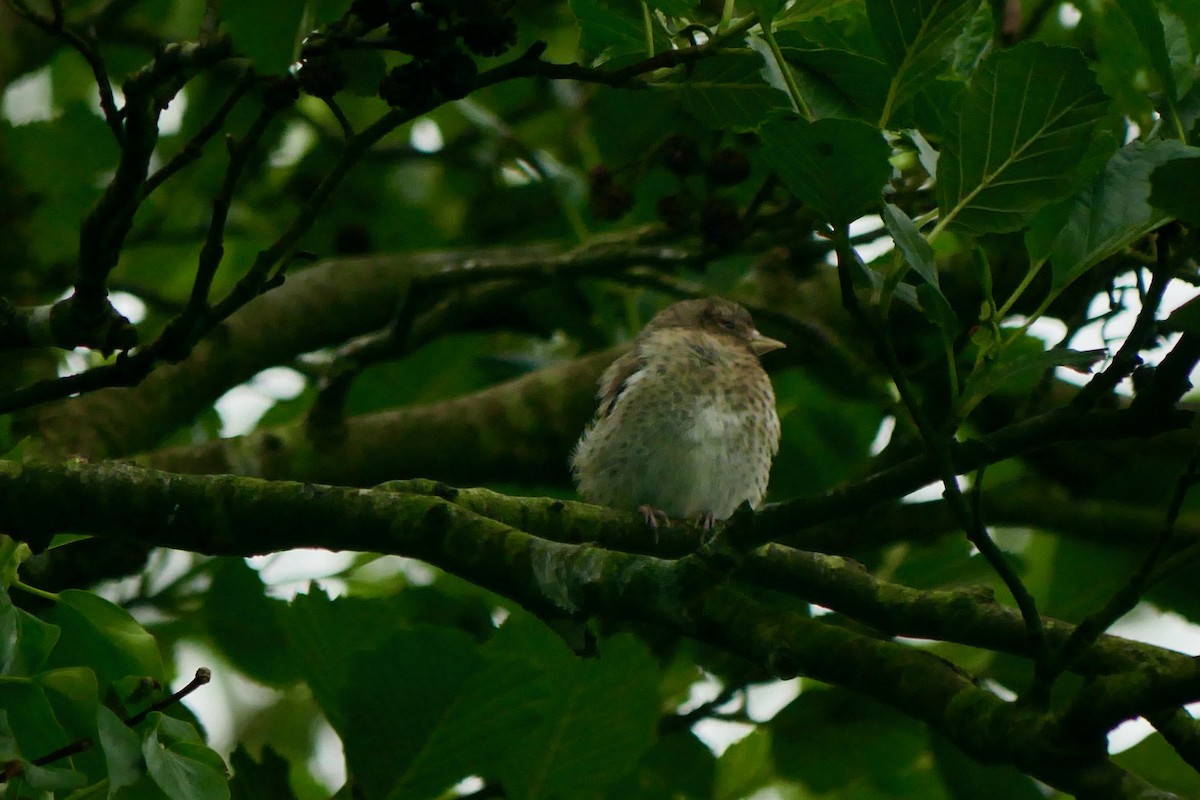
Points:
[238,516]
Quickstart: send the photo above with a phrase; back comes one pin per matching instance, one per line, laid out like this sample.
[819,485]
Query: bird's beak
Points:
[763,344]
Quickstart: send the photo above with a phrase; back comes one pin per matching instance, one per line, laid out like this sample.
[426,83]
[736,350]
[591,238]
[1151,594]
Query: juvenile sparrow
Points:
[687,426]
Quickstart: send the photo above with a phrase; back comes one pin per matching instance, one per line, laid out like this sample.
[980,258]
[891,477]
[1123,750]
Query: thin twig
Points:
[192,151]
[939,447]
[203,676]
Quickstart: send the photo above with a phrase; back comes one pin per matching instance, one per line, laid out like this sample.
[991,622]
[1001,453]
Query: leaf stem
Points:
[36,592]
[789,77]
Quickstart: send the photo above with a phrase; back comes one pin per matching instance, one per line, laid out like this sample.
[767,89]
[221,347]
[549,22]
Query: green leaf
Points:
[51,779]
[837,82]
[614,33]
[1111,213]
[325,635]
[837,166]
[1175,188]
[98,634]
[832,738]
[917,252]
[400,693]
[1149,27]
[246,625]
[1020,134]
[1157,761]
[918,42]
[744,767]
[1015,365]
[267,778]
[265,31]
[122,751]
[967,779]
[599,716]
[182,771]
[728,91]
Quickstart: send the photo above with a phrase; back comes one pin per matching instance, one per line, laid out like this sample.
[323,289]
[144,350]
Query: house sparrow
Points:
[687,425]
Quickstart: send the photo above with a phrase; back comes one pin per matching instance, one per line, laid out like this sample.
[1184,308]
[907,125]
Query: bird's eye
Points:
[728,324]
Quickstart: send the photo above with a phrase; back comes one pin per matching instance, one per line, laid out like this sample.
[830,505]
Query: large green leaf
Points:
[1020,135]
[835,740]
[837,166]
[253,780]
[246,625]
[614,32]
[1110,213]
[400,693]
[837,82]
[744,767]
[728,92]
[602,717]
[105,637]
[918,41]
[1157,762]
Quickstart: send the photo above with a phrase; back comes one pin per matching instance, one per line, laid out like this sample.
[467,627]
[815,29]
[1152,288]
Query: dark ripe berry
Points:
[373,12]
[417,33]
[719,222]
[322,76]
[487,35]
[281,92]
[679,154]
[441,9]
[727,167]
[407,85]
[352,240]
[454,75]
[675,210]
[609,200]
[599,176]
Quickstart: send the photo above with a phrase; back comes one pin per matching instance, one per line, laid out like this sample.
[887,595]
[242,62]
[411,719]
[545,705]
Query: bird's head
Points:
[719,317]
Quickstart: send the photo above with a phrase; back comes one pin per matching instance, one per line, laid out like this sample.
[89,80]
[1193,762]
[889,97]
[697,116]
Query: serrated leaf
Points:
[917,38]
[246,625]
[728,92]
[837,82]
[608,33]
[1015,365]
[837,166]
[1175,188]
[1020,134]
[401,691]
[1111,212]
[604,718]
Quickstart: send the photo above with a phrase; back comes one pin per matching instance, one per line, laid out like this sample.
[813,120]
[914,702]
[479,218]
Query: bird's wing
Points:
[616,379]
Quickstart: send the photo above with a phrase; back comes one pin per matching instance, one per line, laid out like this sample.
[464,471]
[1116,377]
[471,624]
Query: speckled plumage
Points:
[687,422]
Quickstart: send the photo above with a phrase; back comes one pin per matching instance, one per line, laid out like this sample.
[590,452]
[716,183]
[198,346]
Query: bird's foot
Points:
[652,515]
[707,523]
